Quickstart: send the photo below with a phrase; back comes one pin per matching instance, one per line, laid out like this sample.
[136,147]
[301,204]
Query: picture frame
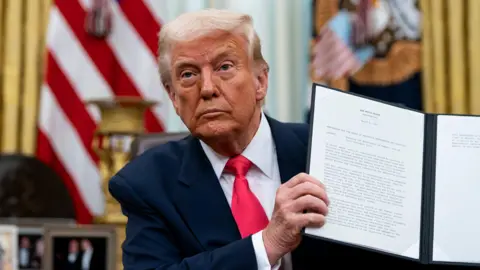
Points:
[30,239]
[8,247]
[68,245]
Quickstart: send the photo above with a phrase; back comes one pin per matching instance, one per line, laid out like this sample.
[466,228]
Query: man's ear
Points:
[172,95]
[261,83]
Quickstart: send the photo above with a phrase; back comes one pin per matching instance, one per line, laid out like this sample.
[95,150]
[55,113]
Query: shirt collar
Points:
[260,151]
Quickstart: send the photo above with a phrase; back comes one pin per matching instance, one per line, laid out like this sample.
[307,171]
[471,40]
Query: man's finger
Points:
[308,220]
[303,177]
[309,203]
[308,188]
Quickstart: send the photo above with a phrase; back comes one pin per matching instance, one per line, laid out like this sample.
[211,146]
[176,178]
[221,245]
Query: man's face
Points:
[40,247]
[73,246]
[86,244]
[215,87]
[25,242]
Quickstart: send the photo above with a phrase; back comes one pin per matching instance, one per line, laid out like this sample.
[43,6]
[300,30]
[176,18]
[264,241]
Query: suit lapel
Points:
[291,152]
[201,200]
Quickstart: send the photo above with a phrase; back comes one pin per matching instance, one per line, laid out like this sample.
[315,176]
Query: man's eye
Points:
[187,75]
[225,67]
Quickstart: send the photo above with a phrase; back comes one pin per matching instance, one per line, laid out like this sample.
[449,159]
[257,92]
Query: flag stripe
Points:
[71,105]
[75,159]
[81,67]
[141,66]
[332,57]
[75,63]
[46,153]
[159,9]
[104,58]
[96,49]
[144,22]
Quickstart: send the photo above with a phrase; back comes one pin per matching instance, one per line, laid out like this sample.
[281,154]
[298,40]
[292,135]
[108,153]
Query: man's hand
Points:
[300,202]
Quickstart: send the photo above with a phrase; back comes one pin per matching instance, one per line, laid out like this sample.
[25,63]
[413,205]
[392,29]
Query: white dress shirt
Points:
[72,257]
[263,179]
[86,258]
[24,257]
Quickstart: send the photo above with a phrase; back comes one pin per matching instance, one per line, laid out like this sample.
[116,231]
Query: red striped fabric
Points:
[361,26]
[332,57]
[82,67]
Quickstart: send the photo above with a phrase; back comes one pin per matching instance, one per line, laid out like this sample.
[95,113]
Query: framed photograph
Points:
[80,247]
[30,241]
[8,247]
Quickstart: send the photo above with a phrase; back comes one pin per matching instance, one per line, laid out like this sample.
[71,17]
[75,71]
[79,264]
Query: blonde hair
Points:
[193,25]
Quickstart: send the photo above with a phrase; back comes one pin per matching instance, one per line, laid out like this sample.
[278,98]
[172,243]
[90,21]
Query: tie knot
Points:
[239,165]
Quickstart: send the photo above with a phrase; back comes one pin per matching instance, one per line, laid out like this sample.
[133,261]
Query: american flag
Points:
[341,47]
[333,57]
[82,66]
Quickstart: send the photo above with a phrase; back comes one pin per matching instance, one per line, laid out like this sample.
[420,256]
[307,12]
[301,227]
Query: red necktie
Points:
[246,209]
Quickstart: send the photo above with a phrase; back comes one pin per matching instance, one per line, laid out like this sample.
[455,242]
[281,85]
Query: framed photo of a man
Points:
[30,249]
[91,247]
[30,242]
[8,247]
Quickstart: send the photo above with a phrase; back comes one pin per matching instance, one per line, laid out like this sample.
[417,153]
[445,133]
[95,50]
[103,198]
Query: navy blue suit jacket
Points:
[179,218]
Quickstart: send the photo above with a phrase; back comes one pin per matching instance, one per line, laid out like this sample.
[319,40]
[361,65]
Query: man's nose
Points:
[208,89]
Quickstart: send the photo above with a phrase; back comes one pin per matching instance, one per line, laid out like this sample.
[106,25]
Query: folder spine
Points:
[428,189]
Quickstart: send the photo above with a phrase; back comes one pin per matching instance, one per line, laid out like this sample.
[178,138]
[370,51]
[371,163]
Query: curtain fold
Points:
[11,79]
[22,28]
[451,60]
[473,13]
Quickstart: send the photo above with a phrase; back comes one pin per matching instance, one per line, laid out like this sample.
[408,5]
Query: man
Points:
[199,215]
[25,252]
[73,256]
[232,195]
[87,254]
[38,253]
[91,259]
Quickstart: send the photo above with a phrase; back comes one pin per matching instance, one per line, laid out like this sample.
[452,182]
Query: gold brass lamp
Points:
[122,120]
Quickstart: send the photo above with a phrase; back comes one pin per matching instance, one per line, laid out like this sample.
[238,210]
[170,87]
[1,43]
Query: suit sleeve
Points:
[149,244]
